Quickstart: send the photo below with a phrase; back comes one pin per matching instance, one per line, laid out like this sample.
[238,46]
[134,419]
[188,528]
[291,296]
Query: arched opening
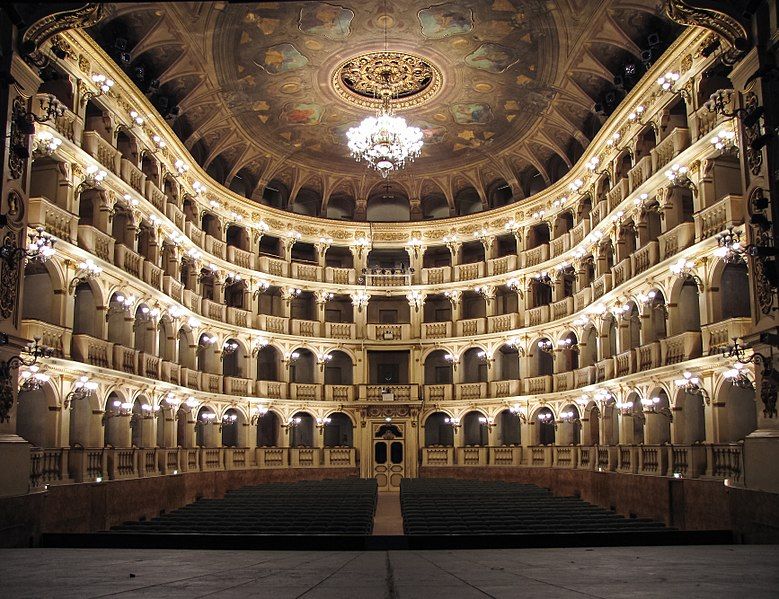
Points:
[275,194]
[127,145]
[238,237]
[268,364]
[123,227]
[636,415]
[138,419]
[537,235]
[737,412]
[302,363]
[475,429]
[509,428]
[205,435]
[438,370]
[657,414]
[472,305]
[339,369]
[235,293]
[688,308]
[734,291]
[339,432]
[542,357]
[588,348]
[232,423]
[185,349]
[568,352]
[268,430]
[340,207]
[434,205]
[120,323]
[569,426]
[301,430]
[211,226]
[467,201]
[145,330]
[38,294]
[116,421]
[563,223]
[84,311]
[206,354]
[591,425]
[610,423]
[233,358]
[438,431]
[35,422]
[544,425]
[657,313]
[388,202]
[507,363]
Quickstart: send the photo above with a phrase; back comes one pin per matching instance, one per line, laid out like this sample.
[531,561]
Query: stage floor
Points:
[706,572]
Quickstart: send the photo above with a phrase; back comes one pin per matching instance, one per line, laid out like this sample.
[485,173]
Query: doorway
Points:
[388,456]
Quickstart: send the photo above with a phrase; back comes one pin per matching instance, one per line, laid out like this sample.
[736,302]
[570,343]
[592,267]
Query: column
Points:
[416,254]
[416,304]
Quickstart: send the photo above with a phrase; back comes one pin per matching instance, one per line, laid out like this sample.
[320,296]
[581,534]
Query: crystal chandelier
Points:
[385,141]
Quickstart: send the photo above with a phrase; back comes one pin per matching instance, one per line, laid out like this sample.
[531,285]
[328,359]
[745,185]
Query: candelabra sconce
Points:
[82,389]
[321,423]
[569,417]
[103,85]
[323,359]
[159,143]
[228,419]
[739,377]
[621,311]
[258,345]
[32,378]
[769,376]
[652,301]
[547,418]
[360,300]
[625,408]
[637,115]
[359,246]
[40,247]
[725,142]
[519,411]
[28,358]
[256,413]
[180,167]
[205,342]
[749,115]
[136,119]
[169,399]
[45,144]
[568,344]
[121,305]
[290,359]
[481,234]
[93,178]
[485,358]
[290,293]
[207,418]
[291,423]
[685,269]
[119,408]
[416,299]
[452,242]
[453,295]
[454,422]
[486,291]
[516,344]
[668,81]
[452,359]
[546,346]
[324,244]
[259,287]
[514,284]
[228,348]
[199,188]
[543,278]
[729,246]
[679,175]
[487,421]
[691,384]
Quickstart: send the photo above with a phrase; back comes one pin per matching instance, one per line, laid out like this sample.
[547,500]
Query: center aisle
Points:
[388,519]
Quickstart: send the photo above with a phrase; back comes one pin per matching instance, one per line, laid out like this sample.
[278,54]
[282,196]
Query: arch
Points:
[301,430]
[144,329]
[567,352]
[544,426]
[591,424]
[610,422]
[207,353]
[116,420]
[37,419]
[507,363]
[467,201]
[234,360]
[689,423]
[339,369]
[634,435]
[388,202]
[302,366]
[475,429]
[275,194]
[541,362]
[732,297]
[687,312]
[569,429]
[474,365]
[588,347]
[39,302]
[118,319]
[211,225]
[736,411]
[657,414]
[339,432]
[268,426]
[656,312]
[233,421]
[340,206]
[509,429]
[438,432]
[269,363]
[186,348]
[237,236]
[204,422]
[85,310]
[437,369]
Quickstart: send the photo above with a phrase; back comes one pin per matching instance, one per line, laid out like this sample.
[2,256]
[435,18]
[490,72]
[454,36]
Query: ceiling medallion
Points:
[411,80]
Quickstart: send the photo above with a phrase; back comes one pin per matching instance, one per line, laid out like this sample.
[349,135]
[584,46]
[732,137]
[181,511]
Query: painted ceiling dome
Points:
[508,93]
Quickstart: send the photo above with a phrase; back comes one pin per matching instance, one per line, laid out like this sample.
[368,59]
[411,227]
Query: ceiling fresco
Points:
[499,87]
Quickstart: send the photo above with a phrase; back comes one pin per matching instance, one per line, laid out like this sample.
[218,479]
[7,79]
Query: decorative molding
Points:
[715,18]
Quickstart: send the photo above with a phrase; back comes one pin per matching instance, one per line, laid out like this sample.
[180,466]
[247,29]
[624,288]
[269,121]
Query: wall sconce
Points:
[229,419]
[416,299]
[592,163]
[453,295]
[290,293]
[82,389]
[158,142]
[685,269]
[486,291]
[485,358]
[637,115]
[514,284]
[170,399]
[93,177]
[85,272]
[207,417]
[481,234]
[181,167]
[257,413]
[321,423]
[668,81]
[519,411]
[229,347]
[691,384]
[546,418]
[291,358]
[324,244]
[103,84]
[621,311]
[322,359]
[542,277]
[360,243]
[729,246]
[516,344]
[199,188]
[546,346]
[739,376]
[120,408]
[137,119]
[360,299]
[205,341]
[292,423]
[452,359]
[678,174]
[583,400]
[258,345]
[613,139]
[46,143]
[489,422]
[576,185]
[651,404]
[568,416]
[625,408]
[725,141]
[452,242]
[453,421]
[121,305]
[259,287]
[569,344]
[34,350]
[769,376]
[40,247]
[32,378]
